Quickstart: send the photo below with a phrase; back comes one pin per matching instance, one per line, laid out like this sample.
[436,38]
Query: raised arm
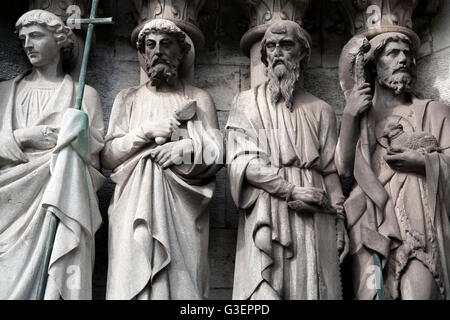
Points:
[358,102]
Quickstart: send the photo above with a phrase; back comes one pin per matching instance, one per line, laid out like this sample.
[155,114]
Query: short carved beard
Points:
[161,70]
[282,82]
[400,82]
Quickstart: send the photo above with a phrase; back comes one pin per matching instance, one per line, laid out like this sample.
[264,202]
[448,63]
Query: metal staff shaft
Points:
[43,276]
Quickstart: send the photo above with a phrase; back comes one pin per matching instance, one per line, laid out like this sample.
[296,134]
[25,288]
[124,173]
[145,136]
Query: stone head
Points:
[44,37]
[285,42]
[163,47]
[393,61]
[285,51]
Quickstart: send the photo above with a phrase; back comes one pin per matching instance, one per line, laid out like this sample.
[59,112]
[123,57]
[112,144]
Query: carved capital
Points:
[373,17]
[62,8]
[183,13]
[264,12]
[267,11]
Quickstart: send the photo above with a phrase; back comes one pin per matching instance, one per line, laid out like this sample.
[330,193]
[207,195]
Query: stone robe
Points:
[412,211]
[35,183]
[289,255]
[158,219]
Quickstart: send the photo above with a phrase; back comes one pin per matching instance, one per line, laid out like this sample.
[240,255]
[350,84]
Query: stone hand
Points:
[358,101]
[310,195]
[160,128]
[172,153]
[342,240]
[405,160]
[40,137]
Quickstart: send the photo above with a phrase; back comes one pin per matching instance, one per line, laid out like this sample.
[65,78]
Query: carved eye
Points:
[150,44]
[287,44]
[270,45]
[166,42]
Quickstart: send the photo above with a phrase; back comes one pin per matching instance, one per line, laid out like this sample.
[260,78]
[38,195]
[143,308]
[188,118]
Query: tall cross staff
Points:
[91,21]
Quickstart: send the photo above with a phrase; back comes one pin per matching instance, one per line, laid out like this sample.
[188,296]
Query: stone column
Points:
[66,9]
[183,13]
[262,13]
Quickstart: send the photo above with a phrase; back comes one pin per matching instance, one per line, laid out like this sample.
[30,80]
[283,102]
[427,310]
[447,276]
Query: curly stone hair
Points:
[62,33]
[165,27]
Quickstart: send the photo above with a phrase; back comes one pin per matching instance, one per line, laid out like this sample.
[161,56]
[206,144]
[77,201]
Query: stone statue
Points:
[159,221]
[280,156]
[48,166]
[399,204]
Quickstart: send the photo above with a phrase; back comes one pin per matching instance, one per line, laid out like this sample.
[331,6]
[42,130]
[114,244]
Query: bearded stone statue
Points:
[280,157]
[405,176]
[164,148]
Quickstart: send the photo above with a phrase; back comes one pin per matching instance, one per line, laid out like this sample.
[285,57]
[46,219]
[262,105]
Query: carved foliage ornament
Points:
[62,8]
[186,10]
[268,11]
[374,17]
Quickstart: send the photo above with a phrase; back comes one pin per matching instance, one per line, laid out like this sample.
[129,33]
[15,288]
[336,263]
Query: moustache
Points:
[401,69]
[159,60]
[277,62]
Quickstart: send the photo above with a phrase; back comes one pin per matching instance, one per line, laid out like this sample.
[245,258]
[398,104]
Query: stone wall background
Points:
[223,71]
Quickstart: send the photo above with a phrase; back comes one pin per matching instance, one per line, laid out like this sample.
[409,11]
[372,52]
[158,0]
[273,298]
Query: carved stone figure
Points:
[159,222]
[395,146]
[48,165]
[280,157]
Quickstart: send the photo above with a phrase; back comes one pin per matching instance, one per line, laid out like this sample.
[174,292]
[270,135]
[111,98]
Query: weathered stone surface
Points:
[113,67]
[221,262]
[222,84]
[440,27]
[324,83]
[434,76]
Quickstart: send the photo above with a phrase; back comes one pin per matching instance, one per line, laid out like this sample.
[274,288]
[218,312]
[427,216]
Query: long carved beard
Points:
[160,71]
[282,81]
[400,82]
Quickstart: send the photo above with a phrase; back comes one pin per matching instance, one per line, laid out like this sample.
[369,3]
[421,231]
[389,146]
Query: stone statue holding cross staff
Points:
[49,162]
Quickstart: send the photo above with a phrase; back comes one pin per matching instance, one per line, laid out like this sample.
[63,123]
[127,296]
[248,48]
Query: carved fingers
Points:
[405,160]
[162,128]
[310,195]
[342,240]
[39,137]
[359,101]
[172,153]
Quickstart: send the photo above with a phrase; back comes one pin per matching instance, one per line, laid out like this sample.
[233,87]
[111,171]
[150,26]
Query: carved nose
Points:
[277,52]
[402,58]
[27,43]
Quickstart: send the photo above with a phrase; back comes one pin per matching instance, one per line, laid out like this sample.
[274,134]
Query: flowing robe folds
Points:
[34,183]
[412,211]
[158,219]
[294,253]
